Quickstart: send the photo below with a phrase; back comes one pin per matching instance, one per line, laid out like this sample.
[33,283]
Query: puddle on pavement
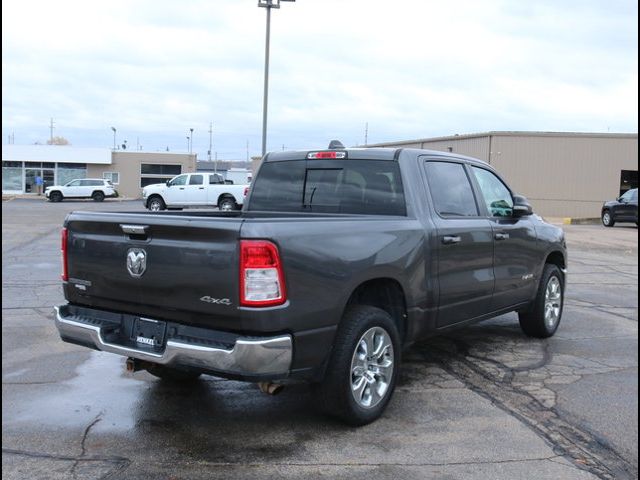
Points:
[99,389]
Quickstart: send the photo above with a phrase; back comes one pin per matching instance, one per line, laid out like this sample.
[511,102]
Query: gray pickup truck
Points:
[339,259]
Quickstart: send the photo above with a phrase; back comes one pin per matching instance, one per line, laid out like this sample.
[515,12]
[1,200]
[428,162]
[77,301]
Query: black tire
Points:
[607,219]
[334,393]
[98,196]
[55,197]
[172,374]
[156,204]
[227,204]
[536,321]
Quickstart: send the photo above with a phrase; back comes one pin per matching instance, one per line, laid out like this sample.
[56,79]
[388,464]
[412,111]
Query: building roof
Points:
[55,153]
[506,134]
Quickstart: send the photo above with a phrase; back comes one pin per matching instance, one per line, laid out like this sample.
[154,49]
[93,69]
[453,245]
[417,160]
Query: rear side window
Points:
[370,187]
[195,180]
[451,190]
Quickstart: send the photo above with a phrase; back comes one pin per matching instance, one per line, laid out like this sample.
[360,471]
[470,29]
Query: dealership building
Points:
[59,164]
[562,174]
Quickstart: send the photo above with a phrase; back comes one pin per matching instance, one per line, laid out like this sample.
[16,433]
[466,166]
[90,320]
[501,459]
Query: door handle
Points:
[200,188]
[501,236]
[450,239]
[181,188]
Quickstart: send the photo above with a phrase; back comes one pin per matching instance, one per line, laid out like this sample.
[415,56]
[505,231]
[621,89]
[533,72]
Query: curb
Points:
[580,221]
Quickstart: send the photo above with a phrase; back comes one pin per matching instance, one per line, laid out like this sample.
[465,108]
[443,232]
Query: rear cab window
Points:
[350,186]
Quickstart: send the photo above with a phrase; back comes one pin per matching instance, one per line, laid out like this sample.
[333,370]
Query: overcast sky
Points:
[407,68]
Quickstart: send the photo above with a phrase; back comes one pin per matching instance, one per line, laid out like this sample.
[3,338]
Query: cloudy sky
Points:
[409,69]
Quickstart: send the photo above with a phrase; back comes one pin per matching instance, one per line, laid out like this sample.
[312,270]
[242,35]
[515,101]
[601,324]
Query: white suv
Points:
[96,188]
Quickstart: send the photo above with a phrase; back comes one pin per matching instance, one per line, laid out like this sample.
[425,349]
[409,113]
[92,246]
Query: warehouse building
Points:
[562,174]
[59,164]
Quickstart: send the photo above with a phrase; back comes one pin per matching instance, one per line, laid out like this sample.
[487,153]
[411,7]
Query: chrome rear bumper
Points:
[249,356]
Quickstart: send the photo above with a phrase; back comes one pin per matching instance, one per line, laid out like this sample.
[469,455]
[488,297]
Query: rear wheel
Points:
[543,317]
[172,374]
[227,204]
[155,204]
[55,196]
[607,219]
[363,367]
[97,196]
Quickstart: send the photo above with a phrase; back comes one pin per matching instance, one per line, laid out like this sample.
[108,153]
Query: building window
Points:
[70,171]
[12,176]
[151,173]
[113,177]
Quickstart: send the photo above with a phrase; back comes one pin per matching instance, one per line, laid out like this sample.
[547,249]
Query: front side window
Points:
[195,180]
[451,190]
[181,180]
[629,196]
[496,195]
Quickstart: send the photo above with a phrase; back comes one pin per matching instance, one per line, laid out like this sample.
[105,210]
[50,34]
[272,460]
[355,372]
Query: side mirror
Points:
[168,182]
[521,206]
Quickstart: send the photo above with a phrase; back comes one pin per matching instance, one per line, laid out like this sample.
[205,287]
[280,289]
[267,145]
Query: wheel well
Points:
[556,258]
[226,195]
[386,294]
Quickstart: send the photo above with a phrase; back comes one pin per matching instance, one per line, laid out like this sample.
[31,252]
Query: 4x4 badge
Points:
[136,262]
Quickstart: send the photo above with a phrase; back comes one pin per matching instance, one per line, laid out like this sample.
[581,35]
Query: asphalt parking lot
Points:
[484,402]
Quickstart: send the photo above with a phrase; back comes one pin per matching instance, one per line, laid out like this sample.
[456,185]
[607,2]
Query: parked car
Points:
[96,188]
[194,190]
[339,259]
[623,209]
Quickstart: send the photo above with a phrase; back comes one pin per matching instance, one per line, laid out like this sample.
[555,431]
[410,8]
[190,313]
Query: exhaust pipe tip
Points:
[270,388]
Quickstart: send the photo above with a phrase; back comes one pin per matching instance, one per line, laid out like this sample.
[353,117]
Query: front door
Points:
[516,260]
[464,244]
[176,193]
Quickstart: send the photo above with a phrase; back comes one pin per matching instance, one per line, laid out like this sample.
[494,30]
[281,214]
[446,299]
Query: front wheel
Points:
[156,204]
[363,367]
[607,219]
[55,197]
[541,320]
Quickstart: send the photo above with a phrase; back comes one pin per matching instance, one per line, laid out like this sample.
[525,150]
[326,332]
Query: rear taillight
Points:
[261,275]
[246,191]
[63,249]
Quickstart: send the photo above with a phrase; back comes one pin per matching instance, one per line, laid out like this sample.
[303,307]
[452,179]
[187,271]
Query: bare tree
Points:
[58,141]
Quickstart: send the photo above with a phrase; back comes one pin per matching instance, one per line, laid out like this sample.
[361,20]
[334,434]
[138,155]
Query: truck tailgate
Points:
[172,267]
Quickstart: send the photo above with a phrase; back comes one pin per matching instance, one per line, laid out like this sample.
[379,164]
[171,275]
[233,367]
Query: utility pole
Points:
[366,133]
[247,150]
[210,139]
[51,130]
[268,4]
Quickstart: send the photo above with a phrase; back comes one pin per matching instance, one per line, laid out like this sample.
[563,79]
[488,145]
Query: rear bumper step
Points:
[248,356]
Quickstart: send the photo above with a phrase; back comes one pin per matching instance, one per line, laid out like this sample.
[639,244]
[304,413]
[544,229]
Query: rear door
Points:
[516,261]
[464,245]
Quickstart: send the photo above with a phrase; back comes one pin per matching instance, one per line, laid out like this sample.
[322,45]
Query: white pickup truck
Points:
[194,190]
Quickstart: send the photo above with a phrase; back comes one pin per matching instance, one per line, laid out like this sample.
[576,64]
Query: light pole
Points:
[191,140]
[188,143]
[268,4]
[114,137]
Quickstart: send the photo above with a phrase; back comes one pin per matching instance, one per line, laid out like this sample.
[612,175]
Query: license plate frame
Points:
[148,332]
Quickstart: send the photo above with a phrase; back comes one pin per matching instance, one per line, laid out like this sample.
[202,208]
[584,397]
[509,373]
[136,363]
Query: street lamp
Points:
[188,142]
[191,141]
[114,137]
[268,4]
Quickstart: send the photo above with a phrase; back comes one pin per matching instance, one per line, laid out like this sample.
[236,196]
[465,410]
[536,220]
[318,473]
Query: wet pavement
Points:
[481,402]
